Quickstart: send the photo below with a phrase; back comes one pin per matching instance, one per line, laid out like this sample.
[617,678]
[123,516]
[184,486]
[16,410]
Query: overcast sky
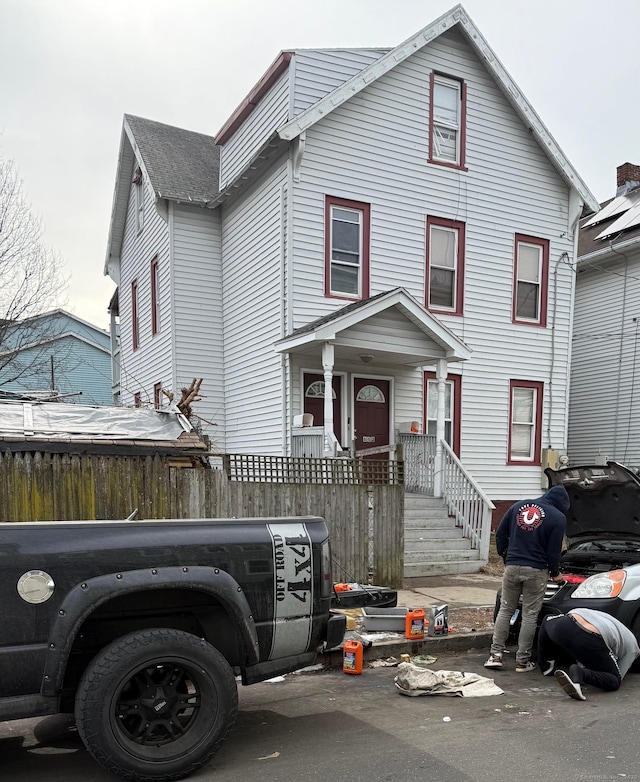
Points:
[69,70]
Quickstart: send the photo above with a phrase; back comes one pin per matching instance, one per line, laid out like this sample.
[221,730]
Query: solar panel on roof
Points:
[613,208]
[629,219]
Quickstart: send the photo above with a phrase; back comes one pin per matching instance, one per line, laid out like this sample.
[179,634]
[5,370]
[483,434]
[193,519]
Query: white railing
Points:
[466,502]
[308,441]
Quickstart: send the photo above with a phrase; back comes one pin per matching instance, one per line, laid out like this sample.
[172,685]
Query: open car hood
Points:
[605,500]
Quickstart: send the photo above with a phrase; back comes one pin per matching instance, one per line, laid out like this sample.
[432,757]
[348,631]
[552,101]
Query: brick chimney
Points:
[628,178]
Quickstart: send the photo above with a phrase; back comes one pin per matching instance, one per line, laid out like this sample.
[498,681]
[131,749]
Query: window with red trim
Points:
[157,396]
[452,408]
[445,265]
[530,280]
[135,333]
[525,421]
[447,120]
[137,399]
[155,311]
[347,233]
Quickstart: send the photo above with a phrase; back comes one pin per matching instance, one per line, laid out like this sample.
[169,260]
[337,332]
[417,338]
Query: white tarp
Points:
[417,680]
[53,420]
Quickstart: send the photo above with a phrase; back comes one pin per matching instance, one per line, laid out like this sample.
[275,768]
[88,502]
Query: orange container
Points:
[414,624]
[352,657]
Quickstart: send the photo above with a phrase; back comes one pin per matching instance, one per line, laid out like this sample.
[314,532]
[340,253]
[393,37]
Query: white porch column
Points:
[327,366]
[441,376]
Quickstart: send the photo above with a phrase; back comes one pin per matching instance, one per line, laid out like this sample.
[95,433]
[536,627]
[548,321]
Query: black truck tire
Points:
[156,705]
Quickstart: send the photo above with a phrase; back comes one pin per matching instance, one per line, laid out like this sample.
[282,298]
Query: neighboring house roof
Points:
[329,327]
[457,16]
[589,243]
[180,165]
[59,427]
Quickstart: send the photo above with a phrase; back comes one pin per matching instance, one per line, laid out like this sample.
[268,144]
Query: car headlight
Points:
[602,585]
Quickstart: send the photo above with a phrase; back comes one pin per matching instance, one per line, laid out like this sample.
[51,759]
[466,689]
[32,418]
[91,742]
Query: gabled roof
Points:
[180,165]
[457,16]
[329,327]
[589,242]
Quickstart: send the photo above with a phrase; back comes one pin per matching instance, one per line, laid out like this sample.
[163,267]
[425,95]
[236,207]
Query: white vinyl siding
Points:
[152,361]
[317,72]
[604,412]
[252,298]
[374,149]
[271,112]
[198,334]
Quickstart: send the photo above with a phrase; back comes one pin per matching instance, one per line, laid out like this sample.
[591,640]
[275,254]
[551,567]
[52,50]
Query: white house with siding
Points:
[394,226]
[604,412]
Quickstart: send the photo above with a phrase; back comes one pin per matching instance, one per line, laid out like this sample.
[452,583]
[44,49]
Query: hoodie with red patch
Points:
[531,531]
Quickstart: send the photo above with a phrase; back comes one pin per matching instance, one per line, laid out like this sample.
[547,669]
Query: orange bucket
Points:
[352,657]
[414,624]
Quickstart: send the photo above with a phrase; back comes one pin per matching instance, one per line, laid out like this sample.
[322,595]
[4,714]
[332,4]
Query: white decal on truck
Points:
[293,588]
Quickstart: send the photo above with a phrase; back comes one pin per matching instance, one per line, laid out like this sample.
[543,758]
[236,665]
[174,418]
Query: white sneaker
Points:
[525,667]
[573,689]
[494,661]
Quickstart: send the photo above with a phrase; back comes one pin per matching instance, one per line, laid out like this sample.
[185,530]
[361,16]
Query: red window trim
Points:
[544,281]
[537,445]
[154,296]
[137,399]
[157,395]
[457,406]
[462,164]
[330,201]
[461,229]
[134,315]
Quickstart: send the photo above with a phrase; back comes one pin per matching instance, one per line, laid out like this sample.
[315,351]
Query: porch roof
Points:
[365,328]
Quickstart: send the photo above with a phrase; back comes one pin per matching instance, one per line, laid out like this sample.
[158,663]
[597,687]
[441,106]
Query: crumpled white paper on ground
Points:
[418,680]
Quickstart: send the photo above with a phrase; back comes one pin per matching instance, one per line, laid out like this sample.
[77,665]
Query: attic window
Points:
[447,121]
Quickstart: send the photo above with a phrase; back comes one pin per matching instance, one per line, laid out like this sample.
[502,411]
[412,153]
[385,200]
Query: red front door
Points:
[371,414]
[314,401]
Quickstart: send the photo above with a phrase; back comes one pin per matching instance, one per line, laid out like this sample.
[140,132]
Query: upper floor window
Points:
[139,190]
[135,326]
[447,121]
[347,228]
[445,265]
[155,301]
[525,421]
[137,399]
[452,408]
[531,275]
[157,395]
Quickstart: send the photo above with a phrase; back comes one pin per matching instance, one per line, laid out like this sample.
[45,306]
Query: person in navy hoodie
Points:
[529,539]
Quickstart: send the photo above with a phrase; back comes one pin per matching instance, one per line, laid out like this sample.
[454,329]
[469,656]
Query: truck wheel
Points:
[156,705]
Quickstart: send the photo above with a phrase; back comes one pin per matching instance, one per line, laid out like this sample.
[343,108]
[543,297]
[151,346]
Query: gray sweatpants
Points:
[526,584]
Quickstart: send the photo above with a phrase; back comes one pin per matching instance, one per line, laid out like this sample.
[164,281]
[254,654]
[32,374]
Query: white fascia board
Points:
[119,206]
[456,16]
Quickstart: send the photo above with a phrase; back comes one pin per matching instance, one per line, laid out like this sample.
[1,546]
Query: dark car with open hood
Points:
[601,564]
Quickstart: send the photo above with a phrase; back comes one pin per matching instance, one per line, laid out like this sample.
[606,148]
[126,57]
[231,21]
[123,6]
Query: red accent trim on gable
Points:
[462,164]
[544,281]
[154,296]
[537,445]
[135,334]
[273,73]
[461,229]
[330,201]
[457,407]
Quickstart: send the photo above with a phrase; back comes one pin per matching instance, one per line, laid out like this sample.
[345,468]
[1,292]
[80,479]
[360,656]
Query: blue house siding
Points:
[62,352]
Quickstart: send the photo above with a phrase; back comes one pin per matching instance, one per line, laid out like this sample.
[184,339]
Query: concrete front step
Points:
[442,555]
[435,545]
[414,573]
[432,533]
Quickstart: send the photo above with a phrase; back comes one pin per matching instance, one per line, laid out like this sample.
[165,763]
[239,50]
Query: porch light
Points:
[366,358]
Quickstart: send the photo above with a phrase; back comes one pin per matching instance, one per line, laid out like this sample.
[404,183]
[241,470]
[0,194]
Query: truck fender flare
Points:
[85,597]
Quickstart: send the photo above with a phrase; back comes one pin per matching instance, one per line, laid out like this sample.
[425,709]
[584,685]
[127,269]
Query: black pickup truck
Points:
[140,627]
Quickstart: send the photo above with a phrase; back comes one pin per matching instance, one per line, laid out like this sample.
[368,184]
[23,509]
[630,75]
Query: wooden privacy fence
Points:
[365,521]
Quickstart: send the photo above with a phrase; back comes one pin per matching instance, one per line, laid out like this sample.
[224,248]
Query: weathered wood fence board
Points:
[365,522]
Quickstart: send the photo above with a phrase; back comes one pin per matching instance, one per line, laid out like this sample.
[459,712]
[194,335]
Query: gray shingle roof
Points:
[182,165]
